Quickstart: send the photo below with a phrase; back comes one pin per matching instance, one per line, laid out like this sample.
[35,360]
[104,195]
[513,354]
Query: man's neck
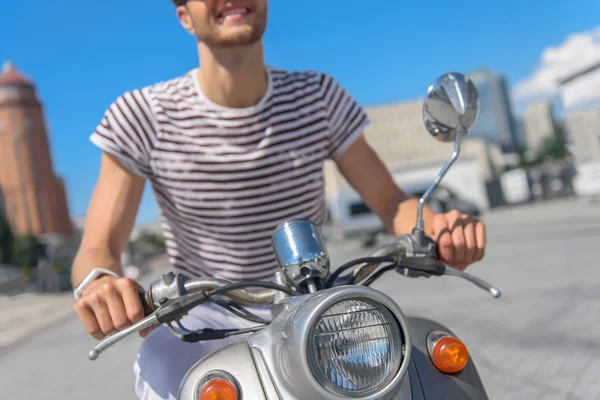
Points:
[234,78]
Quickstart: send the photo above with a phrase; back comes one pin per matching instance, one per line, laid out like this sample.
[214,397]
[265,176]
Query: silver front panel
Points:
[234,359]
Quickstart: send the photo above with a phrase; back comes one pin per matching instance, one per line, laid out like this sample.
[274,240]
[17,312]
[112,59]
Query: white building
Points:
[580,96]
[398,135]
[538,124]
[583,128]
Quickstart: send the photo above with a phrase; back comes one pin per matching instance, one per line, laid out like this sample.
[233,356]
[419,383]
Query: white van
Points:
[349,216]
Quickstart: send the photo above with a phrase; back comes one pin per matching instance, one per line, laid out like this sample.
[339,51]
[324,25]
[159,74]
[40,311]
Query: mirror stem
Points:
[418,232]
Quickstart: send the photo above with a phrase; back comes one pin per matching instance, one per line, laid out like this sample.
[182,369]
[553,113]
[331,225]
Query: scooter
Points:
[332,336]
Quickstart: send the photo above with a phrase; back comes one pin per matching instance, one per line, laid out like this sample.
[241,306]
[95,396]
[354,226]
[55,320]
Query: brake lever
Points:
[473,279]
[425,266]
[147,322]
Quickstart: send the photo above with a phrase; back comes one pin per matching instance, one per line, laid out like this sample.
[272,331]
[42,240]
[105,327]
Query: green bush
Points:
[7,242]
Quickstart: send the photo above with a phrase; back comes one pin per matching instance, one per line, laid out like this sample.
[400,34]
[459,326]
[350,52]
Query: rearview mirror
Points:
[451,107]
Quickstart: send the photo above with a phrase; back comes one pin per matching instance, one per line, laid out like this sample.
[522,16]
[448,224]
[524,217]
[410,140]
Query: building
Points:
[583,127]
[397,134]
[35,197]
[580,96]
[496,122]
[581,90]
[538,124]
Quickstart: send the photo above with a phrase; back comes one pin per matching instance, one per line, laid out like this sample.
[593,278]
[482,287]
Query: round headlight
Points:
[355,347]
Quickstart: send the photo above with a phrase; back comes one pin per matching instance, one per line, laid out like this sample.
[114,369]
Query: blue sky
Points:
[83,55]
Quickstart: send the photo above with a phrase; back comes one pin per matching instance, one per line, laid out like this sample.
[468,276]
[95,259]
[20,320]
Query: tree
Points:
[522,153]
[28,251]
[7,241]
[554,146]
[153,239]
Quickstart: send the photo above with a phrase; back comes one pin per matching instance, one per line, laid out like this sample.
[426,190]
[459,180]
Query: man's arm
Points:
[109,304]
[460,238]
[109,221]
[366,173]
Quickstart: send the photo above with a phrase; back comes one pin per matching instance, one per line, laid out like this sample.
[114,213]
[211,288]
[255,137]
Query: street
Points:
[538,341]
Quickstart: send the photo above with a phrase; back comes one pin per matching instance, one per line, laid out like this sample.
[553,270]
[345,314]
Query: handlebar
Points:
[171,309]
[171,298]
[261,297]
[424,260]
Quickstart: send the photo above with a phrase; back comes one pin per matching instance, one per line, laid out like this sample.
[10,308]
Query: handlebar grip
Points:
[423,264]
[148,308]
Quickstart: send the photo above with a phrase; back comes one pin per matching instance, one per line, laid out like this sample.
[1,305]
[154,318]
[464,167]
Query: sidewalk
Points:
[28,313]
[24,314]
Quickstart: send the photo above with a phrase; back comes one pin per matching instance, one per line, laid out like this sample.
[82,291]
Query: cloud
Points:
[577,52]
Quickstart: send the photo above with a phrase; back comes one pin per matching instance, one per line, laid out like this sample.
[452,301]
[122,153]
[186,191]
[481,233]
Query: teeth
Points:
[235,11]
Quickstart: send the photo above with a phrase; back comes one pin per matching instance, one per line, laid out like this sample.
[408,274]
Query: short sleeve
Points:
[127,131]
[347,119]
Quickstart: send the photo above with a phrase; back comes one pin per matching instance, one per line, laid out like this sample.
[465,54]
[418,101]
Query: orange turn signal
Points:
[218,389]
[449,355]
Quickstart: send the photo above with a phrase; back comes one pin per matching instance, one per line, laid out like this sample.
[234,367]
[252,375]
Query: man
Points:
[231,149]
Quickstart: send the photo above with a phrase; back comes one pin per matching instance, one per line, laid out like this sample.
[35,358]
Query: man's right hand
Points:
[109,305]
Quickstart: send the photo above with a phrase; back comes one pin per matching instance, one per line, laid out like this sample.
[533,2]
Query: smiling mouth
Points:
[233,14]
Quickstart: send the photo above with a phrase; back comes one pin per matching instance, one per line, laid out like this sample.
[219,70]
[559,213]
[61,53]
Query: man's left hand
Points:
[460,238]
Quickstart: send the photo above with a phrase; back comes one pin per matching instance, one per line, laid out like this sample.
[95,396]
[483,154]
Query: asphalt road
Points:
[538,341]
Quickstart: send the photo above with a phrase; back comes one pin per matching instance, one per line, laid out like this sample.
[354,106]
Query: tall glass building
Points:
[496,122]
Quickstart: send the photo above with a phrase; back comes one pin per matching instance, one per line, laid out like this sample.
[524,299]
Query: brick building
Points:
[34,197]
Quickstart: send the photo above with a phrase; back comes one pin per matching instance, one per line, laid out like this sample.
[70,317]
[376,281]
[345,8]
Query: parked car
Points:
[443,200]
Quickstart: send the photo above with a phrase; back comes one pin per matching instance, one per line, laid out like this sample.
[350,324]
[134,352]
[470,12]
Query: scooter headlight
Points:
[355,347]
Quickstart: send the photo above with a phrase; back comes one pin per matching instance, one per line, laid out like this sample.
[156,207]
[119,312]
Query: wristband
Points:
[93,275]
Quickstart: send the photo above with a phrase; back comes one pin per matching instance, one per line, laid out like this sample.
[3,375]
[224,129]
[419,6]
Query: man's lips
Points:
[235,10]
[234,14]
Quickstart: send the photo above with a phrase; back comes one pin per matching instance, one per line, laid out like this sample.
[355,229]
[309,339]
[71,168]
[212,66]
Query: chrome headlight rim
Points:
[327,299]
[320,375]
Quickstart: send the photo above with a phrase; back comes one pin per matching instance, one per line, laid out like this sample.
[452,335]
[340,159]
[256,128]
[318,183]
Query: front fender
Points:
[426,381]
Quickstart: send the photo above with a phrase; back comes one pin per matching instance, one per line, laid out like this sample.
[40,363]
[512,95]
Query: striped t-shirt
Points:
[224,178]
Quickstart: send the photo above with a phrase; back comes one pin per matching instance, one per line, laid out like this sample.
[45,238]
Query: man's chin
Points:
[236,39]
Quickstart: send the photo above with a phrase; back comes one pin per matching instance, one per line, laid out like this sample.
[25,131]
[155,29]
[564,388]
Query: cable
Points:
[184,304]
[352,275]
[181,326]
[357,261]
[209,333]
[378,274]
[360,270]
[238,310]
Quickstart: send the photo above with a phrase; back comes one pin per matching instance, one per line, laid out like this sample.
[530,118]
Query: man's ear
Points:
[185,19]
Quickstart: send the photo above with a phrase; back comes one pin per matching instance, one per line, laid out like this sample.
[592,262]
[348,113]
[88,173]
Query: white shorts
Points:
[163,360]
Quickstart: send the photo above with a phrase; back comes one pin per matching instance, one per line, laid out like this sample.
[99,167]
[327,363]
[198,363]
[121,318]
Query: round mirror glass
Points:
[451,107]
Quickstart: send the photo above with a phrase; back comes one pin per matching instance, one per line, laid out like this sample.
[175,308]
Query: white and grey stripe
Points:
[225,178]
